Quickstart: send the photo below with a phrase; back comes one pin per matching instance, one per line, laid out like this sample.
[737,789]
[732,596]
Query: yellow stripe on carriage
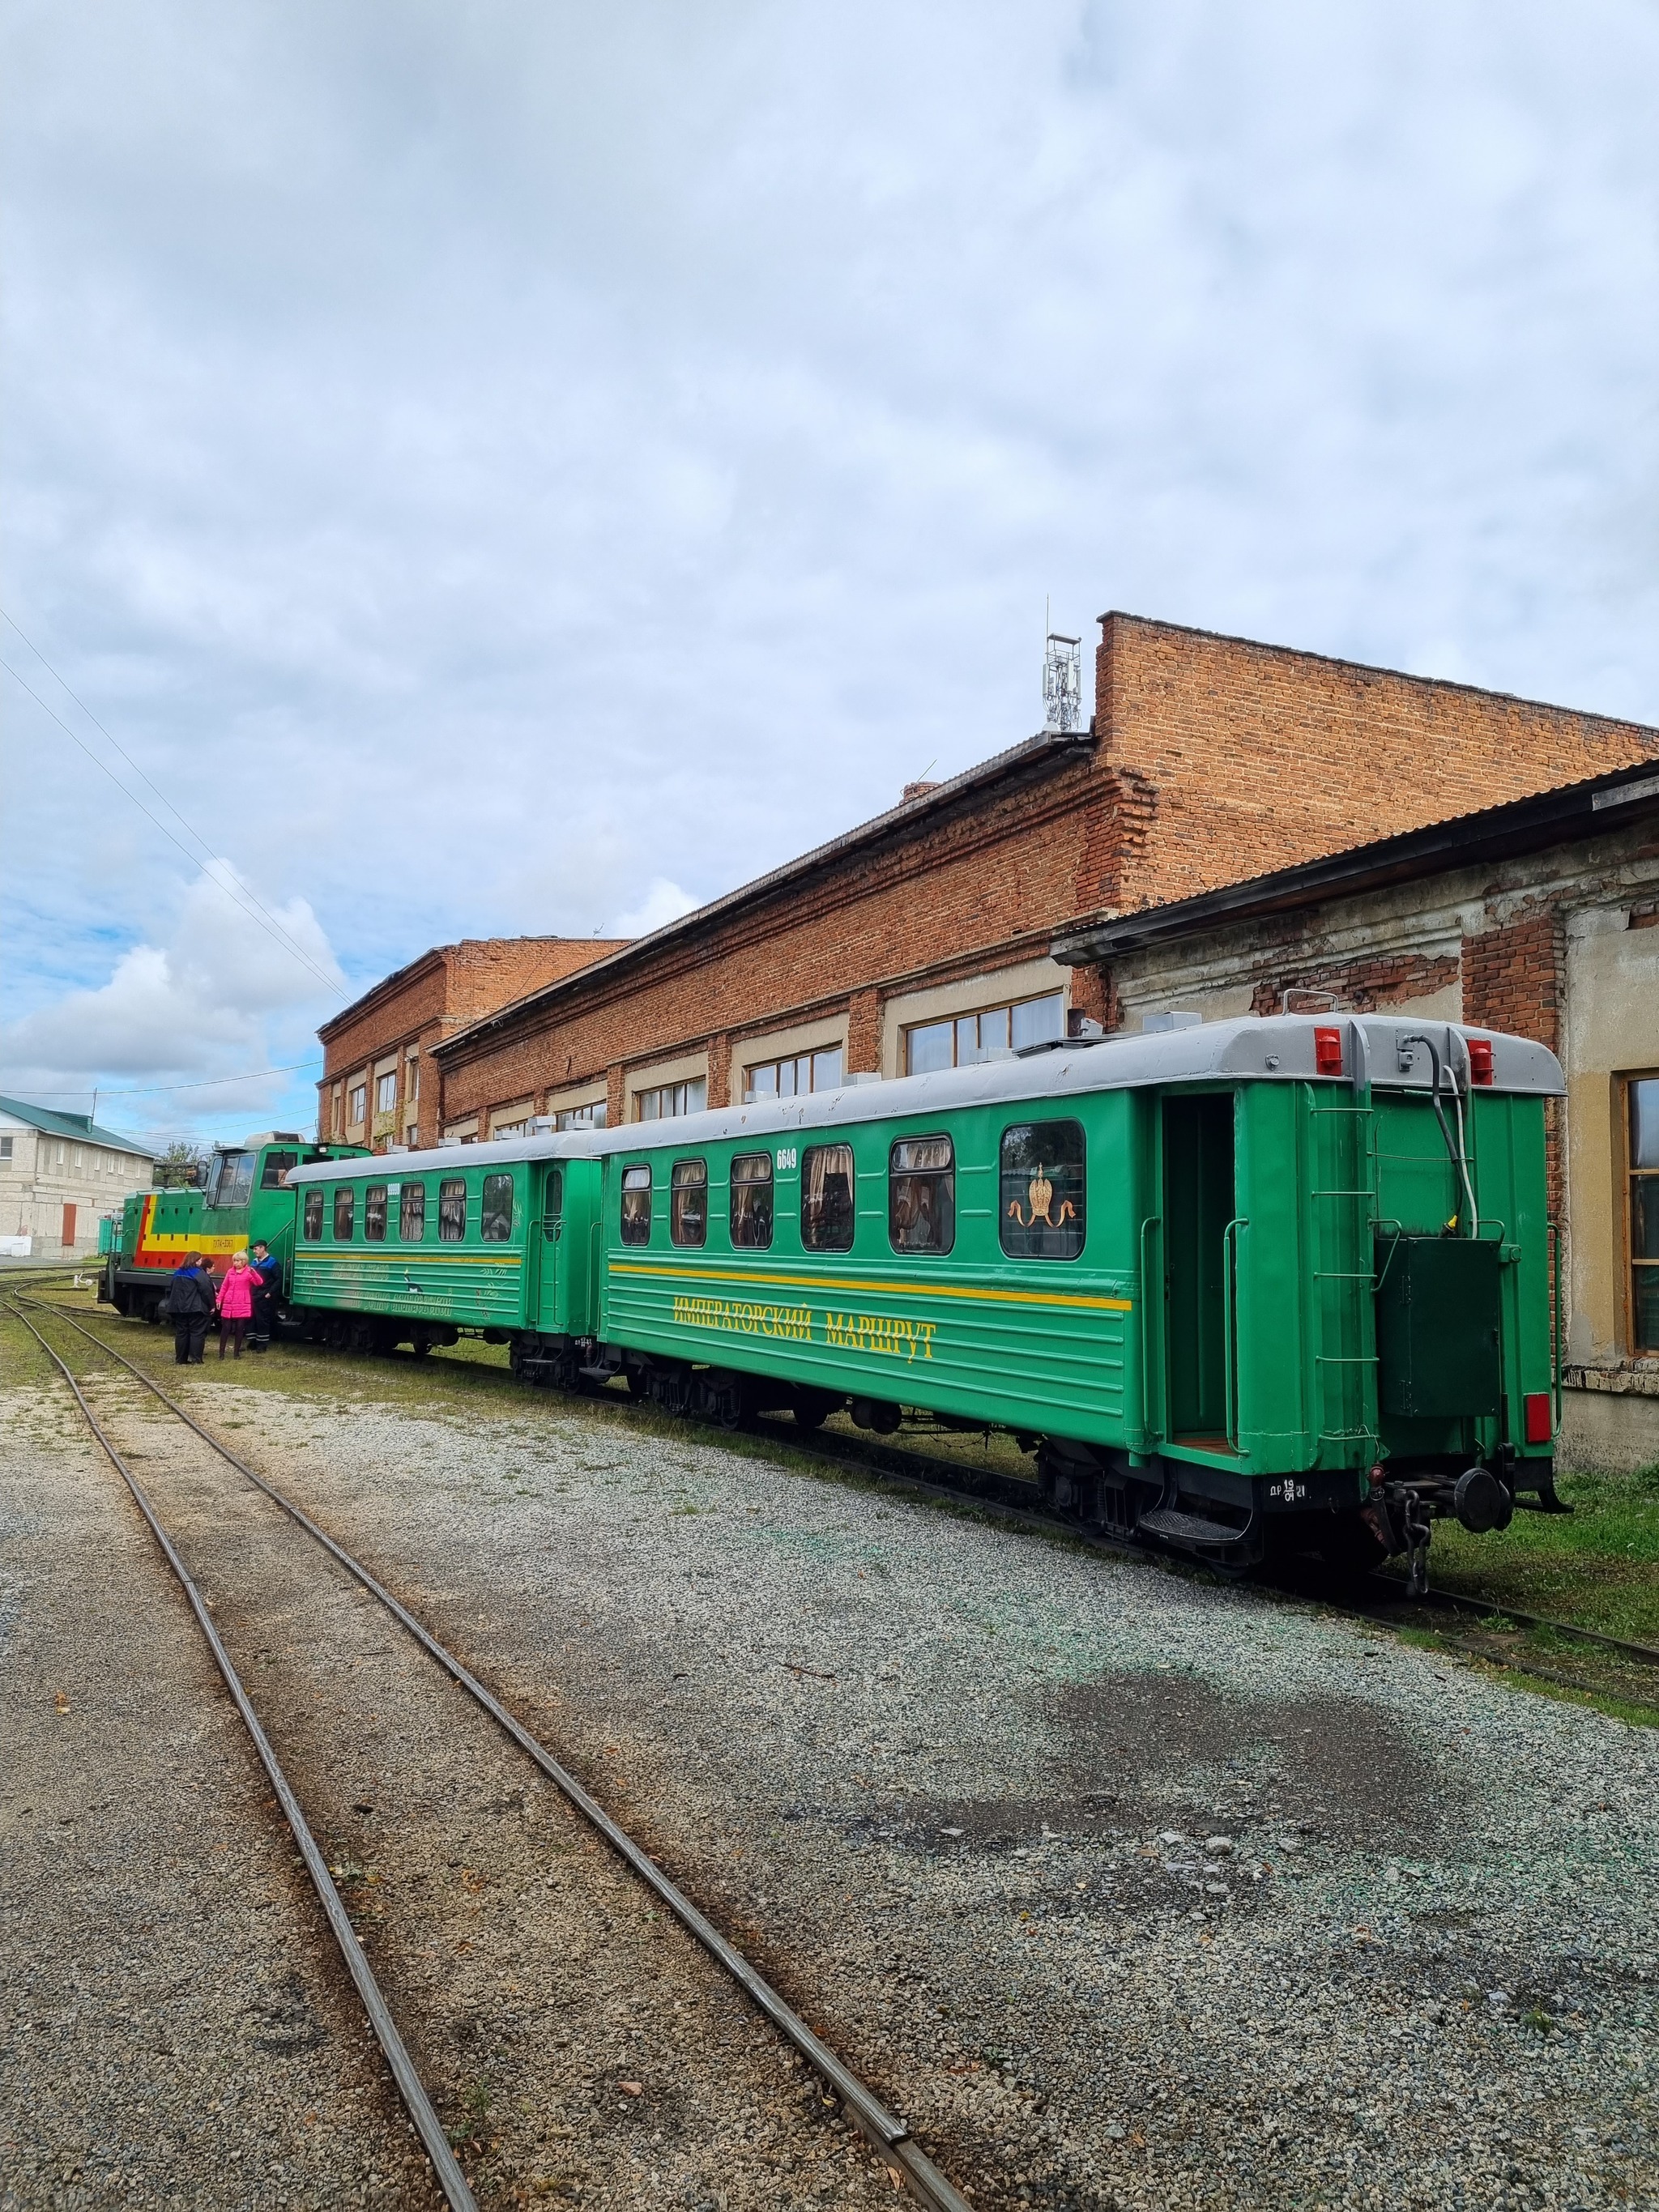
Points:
[907,1289]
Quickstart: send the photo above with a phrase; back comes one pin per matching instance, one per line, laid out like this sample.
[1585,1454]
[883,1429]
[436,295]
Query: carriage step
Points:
[1169,1521]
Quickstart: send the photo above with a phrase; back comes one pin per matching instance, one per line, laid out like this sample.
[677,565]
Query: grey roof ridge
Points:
[985,771]
[81,1128]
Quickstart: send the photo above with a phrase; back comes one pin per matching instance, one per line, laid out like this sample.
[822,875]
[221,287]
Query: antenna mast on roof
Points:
[1062,677]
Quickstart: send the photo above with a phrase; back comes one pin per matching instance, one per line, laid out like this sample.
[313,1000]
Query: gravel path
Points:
[174,2028]
[1126,1890]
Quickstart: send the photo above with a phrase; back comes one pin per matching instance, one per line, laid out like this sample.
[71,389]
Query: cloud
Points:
[662,903]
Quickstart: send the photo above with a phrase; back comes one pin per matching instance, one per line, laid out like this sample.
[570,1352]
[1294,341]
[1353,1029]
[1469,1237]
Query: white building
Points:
[58,1173]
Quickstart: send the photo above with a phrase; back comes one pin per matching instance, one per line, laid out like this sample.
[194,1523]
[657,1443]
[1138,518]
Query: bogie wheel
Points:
[810,1409]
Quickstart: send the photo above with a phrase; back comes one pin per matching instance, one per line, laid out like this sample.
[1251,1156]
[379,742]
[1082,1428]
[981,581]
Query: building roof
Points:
[80,1127]
[1597,805]
[1032,756]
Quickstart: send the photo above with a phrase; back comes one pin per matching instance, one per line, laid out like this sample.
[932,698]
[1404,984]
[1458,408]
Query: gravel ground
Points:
[576,2044]
[1127,1890]
[174,2029]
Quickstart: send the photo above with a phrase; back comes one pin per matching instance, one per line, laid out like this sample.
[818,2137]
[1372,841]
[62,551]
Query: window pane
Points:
[452,1210]
[993,1031]
[385,1093]
[922,1206]
[1036,1021]
[345,1200]
[688,1202]
[787,1079]
[314,1216]
[552,1200]
[752,1201]
[637,1205]
[650,1105]
[275,1167]
[1645,1123]
[696,1095]
[495,1225]
[411,1213]
[968,1040]
[763,1081]
[1644,1309]
[1644,1217]
[826,1069]
[374,1214]
[927,1050]
[1042,1191]
[826,1198]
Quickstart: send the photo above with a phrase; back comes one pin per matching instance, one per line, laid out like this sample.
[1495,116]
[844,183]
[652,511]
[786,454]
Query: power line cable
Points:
[272,930]
[113,740]
[151,1089]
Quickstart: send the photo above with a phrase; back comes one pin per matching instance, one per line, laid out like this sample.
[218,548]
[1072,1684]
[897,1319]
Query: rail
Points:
[886,2133]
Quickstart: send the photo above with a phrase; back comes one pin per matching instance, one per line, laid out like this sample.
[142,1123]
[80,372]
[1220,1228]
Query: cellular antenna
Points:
[1062,677]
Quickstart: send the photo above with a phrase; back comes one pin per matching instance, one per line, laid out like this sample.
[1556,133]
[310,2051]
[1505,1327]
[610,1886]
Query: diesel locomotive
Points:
[1248,1287]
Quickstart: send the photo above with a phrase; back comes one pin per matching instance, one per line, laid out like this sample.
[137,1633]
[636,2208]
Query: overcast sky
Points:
[531,467]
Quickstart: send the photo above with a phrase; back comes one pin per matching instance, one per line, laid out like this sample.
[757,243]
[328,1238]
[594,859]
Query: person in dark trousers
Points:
[266,1270]
[235,1305]
[189,1306]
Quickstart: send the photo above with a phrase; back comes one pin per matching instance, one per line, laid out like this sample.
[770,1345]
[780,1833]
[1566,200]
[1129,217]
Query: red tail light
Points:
[1480,1060]
[1537,1404]
[1327,1052]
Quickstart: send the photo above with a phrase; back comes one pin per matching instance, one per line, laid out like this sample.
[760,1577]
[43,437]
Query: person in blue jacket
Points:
[189,1306]
[267,1272]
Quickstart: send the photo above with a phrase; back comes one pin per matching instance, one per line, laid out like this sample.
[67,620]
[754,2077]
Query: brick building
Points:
[929,935]
[375,1087]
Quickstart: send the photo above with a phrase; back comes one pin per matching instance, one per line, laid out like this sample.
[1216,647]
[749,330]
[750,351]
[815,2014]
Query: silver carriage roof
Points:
[1266,1049]
[499,1151]
[1269,1048]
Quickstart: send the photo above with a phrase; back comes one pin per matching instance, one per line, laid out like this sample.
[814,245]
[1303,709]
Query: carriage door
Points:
[547,1238]
[1198,1205]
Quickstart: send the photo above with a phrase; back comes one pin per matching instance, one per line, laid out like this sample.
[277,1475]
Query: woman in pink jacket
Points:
[235,1306]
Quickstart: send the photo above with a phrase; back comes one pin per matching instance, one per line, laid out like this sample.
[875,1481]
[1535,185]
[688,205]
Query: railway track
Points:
[847,2093]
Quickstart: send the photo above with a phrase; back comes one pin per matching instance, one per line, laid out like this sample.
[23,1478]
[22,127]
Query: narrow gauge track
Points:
[885,2132]
[985,1490]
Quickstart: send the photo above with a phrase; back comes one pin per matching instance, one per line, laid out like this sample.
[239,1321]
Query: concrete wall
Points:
[45,1173]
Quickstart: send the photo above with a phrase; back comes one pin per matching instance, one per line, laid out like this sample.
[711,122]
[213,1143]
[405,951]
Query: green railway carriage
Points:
[242,1196]
[414,1247]
[1246,1280]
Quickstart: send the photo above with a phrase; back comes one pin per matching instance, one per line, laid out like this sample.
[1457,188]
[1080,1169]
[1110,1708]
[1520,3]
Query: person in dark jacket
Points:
[189,1306]
[266,1270]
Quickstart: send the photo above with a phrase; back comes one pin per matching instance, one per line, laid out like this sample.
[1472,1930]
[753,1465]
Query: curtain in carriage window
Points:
[827,1188]
[922,1194]
[751,1203]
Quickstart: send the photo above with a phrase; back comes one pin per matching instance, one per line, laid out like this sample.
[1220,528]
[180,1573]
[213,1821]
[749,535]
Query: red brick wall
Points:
[1226,759]
[1358,986]
[1515,978]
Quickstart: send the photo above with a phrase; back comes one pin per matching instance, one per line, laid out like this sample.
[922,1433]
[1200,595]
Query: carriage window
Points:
[752,1201]
[552,1201]
[1040,1212]
[313,1220]
[497,1224]
[345,1199]
[275,1167]
[411,1213]
[688,1202]
[451,1209]
[374,1214]
[636,1205]
[826,1198]
[922,1194]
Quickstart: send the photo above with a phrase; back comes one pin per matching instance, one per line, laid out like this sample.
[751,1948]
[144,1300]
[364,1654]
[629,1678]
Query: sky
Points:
[531,467]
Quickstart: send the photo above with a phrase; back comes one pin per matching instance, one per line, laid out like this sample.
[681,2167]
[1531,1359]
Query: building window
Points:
[337,1112]
[80,1159]
[552,1201]
[411,1213]
[826,1198]
[922,1194]
[688,1202]
[636,1205]
[452,1210]
[583,1117]
[412,1079]
[1644,1219]
[794,1079]
[385,1093]
[497,1224]
[374,1214]
[5,1148]
[358,1105]
[500,1129]
[345,1199]
[752,1201]
[1041,1213]
[973,1037]
[314,1216]
[670,1100]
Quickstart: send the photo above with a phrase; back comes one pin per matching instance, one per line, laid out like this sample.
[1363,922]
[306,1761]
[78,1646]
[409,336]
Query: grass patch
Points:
[1598,1567]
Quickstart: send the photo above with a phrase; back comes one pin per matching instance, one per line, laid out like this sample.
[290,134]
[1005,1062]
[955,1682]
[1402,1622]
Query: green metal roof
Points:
[81,1127]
